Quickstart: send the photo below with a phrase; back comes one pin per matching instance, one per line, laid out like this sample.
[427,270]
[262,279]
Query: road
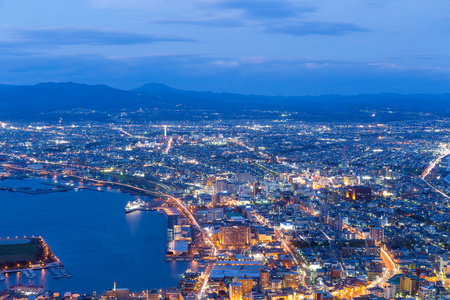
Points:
[301,266]
[430,168]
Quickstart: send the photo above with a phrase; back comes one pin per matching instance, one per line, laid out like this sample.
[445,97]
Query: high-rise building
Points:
[172,220]
[209,180]
[247,285]
[276,284]
[235,290]
[333,197]
[389,291]
[257,189]
[234,236]
[337,223]
[345,163]
[359,193]
[264,278]
[409,284]
[214,214]
[324,209]
[219,186]
[215,199]
[291,280]
[377,233]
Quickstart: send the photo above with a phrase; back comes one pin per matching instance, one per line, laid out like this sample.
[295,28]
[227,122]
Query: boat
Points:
[2,277]
[30,274]
[65,273]
[135,205]
[56,273]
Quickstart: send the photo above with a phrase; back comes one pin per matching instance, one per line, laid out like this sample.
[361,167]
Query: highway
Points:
[127,133]
[430,168]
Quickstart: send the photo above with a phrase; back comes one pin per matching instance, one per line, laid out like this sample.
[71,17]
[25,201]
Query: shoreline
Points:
[55,263]
[120,190]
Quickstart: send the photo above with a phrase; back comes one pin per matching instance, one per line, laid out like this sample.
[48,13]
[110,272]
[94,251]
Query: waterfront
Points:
[90,233]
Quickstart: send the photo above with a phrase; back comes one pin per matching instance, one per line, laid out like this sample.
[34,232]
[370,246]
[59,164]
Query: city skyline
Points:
[224,150]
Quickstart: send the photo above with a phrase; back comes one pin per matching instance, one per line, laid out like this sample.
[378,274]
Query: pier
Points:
[24,248]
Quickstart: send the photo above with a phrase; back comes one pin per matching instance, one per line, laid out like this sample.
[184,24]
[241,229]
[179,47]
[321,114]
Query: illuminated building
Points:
[182,232]
[152,295]
[427,292]
[324,208]
[172,219]
[214,214]
[263,236]
[264,278]
[287,261]
[335,272]
[377,233]
[215,199]
[291,280]
[389,291]
[333,197]
[243,177]
[247,285]
[235,290]
[409,284]
[359,193]
[122,294]
[234,236]
[277,284]
[337,223]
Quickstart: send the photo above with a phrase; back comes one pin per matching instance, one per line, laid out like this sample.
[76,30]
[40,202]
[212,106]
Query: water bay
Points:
[93,237]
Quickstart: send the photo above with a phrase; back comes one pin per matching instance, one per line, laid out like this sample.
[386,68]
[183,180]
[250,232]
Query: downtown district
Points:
[270,209]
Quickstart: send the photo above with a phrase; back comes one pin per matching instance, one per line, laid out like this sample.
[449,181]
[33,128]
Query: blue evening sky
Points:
[286,47]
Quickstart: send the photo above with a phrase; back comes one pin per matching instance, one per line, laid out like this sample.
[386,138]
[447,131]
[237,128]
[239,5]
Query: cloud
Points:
[207,22]
[85,36]
[316,28]
[257,75]
[266,9]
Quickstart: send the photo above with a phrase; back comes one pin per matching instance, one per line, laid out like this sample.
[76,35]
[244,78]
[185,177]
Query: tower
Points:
[345,162]
[264,278]
[235,290]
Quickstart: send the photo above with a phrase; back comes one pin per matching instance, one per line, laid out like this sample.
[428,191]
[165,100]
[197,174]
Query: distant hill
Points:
[415,102]
[30,101]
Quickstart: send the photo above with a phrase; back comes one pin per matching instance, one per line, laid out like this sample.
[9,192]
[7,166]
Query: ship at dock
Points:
[135,205]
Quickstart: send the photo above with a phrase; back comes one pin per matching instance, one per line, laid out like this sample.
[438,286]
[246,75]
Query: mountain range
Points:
[44,99]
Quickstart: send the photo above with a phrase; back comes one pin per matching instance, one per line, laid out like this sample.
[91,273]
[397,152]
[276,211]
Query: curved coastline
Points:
[136,244]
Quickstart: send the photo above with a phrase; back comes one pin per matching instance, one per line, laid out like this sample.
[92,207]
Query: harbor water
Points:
[92,236]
